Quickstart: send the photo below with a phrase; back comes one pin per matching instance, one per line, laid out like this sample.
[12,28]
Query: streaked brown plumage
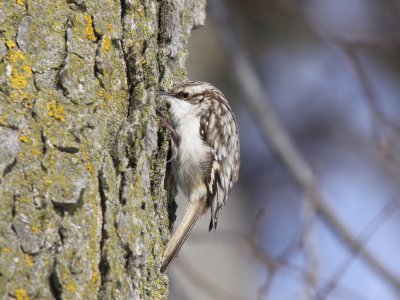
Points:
[208,155]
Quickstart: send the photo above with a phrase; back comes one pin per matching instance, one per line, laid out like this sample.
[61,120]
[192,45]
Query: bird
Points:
[207,158]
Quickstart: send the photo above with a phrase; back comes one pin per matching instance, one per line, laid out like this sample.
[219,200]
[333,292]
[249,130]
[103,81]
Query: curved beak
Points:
[165,96]
[164,93]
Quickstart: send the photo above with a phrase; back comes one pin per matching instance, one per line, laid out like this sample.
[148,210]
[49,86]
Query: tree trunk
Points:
[83,195]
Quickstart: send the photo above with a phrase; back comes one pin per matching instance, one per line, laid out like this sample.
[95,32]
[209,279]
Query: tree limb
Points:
[261,108]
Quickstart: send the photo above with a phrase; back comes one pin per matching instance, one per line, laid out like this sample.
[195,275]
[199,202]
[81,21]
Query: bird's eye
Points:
[185,95]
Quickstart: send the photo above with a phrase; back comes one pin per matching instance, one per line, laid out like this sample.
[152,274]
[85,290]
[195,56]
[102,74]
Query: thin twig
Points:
[310,250]
[384,144]
[341,292]
[271,264]
[366,86]
[261,108]
[383,215]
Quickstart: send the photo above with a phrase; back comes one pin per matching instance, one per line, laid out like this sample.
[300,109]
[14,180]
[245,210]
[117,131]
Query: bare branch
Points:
[273,264]
[383,215]
[261,108]
[385,142]
[310,249]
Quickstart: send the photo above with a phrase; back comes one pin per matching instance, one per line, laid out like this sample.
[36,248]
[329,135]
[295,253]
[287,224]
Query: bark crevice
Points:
[103,264]
[54,283]
[87,218]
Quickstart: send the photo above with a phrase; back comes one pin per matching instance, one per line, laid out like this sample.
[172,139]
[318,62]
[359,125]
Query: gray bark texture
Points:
[84,195]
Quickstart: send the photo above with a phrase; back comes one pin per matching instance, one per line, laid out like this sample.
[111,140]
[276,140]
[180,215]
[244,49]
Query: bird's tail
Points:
[194,210]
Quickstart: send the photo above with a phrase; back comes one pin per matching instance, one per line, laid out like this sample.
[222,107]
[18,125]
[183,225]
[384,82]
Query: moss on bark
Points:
[84,209]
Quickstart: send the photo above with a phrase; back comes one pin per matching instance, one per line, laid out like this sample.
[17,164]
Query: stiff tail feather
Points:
[194,210]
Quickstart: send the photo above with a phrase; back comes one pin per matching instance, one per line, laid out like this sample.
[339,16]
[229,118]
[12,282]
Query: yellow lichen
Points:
[141,13]
[28,260]
[21,2]
[95,277]
[21,294]
[24,139]
[107,43]
[37,152]
[11,44]
[85,155]
[14,96]
[71,287]
[90,167]
[15,55]
[6,249]
[19,96]
[27,69]
[18,80]
[56,111]
[89,28]
[110,28]
[19,76]
[3,120]
[35,229]
[108,96]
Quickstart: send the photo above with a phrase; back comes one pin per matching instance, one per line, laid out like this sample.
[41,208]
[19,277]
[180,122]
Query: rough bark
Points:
[83,195]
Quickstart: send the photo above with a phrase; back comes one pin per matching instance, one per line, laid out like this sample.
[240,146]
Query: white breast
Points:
[191,150]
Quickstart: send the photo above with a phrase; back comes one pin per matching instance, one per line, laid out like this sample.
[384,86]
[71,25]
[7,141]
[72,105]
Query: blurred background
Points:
[330,70]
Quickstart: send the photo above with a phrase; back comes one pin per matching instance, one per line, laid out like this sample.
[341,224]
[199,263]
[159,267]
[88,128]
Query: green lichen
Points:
[70,93]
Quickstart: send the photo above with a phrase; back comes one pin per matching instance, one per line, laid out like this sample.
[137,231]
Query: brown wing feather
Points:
[221,170]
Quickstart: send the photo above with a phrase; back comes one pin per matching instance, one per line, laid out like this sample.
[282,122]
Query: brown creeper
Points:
[207,160]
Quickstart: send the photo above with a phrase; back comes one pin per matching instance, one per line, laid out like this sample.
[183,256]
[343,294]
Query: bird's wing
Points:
[219,131]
